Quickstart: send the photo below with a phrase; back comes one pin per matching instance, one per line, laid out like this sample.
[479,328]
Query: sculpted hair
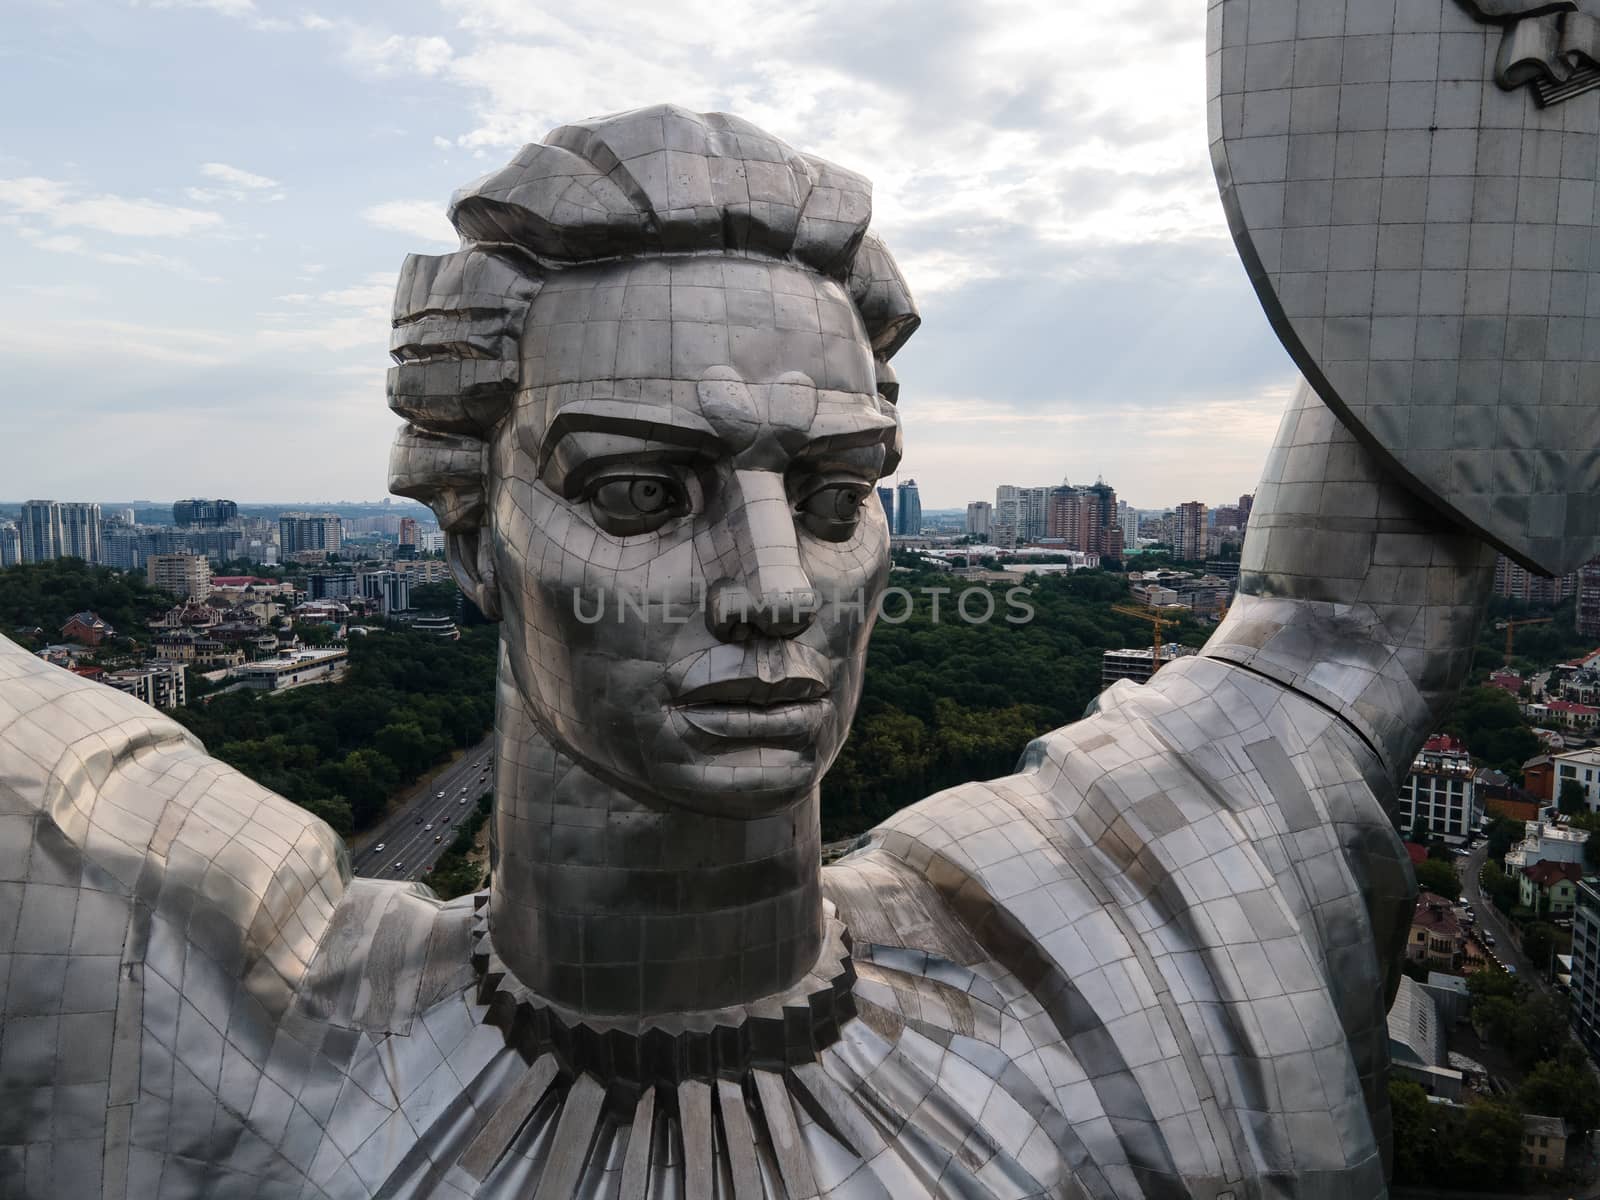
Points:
[652,182]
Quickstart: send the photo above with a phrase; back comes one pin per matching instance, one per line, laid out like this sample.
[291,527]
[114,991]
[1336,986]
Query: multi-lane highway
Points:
[408,841]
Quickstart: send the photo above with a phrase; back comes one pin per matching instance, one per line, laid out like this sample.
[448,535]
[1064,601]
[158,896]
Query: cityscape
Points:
[934,623]
[1497,810]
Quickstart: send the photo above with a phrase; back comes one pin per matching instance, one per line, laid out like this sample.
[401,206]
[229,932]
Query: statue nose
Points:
[770,594]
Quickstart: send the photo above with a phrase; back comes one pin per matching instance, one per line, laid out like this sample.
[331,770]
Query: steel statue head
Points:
[648,399]
[1412,189]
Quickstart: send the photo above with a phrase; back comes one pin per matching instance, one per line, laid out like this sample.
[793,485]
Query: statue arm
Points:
[1352,591]
[119,800]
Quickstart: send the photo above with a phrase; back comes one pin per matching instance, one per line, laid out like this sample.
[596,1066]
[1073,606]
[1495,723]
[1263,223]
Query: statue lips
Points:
[747,709]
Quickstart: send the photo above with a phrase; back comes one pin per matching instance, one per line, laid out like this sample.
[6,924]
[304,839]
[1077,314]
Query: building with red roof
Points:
[1436,937]
[1551,888]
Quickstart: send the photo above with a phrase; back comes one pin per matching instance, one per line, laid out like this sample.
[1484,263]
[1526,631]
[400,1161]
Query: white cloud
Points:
[355,317]
[390,54]
[228,8]
[58,205]
[236,177]
[67,243]
[423,219]
[114,339]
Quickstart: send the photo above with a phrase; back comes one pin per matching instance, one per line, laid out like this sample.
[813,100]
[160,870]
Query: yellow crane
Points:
[1512,626]
[1157,624]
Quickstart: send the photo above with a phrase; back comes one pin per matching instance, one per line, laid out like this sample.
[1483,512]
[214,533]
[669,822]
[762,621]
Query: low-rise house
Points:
[1538,778]
[1550,888]
[1563,714]
[1506,680]
[87,628]
[1544,1143]
[1436,934]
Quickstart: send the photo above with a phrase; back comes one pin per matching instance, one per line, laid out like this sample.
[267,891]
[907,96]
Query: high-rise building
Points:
[1007,523]
[1086,519]
[213,513]
[1128,521]
[886,498]
[1189,532]
[300,533]
[1035,513]
[1588,614]
[186,576]
[40,529]
[10,545]
[980,514]
[1517,583]
[391,590]
[408,531]
[1246,503]
[80,532]
[50,530]
[907,509]
[1586,964]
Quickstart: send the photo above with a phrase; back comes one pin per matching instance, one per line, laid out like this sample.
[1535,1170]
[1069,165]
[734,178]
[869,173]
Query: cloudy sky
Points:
[203,204]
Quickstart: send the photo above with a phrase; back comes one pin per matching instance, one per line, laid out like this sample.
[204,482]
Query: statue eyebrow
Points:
[595,431]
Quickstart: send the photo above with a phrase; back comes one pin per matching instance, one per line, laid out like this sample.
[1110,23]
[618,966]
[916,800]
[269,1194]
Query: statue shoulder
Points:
[101,793]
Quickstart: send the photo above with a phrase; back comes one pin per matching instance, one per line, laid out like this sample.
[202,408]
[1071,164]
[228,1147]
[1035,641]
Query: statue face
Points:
[684,534]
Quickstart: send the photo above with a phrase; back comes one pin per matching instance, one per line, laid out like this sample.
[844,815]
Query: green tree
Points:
[1487,1150]
[1412,1120]
[435,597]
[1538,942]
[1501,889]
[43,595]
[1439,877]
[1493,727]
[1564,1087]
[1504,832]
[341,750]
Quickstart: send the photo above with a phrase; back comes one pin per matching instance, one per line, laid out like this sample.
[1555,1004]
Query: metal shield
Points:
[1411,185]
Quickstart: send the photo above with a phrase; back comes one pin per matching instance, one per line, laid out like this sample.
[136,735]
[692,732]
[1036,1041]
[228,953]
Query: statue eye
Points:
[832,511]
[637,503]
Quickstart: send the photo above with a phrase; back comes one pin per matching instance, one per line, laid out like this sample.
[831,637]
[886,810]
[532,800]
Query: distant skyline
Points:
[203,224]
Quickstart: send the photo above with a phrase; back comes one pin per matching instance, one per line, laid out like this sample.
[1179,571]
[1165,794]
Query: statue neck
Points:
[1353,591]
[610,906]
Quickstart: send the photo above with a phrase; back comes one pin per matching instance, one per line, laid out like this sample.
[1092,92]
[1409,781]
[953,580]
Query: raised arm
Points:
[1351,590]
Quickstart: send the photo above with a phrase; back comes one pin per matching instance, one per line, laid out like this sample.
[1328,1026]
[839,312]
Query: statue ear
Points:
[472,564]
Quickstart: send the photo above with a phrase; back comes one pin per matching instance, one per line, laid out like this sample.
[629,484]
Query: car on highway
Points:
[440,796]
[1487,938]
[378,849]
[463,800]
[438,837]
[398,866]
[428,828]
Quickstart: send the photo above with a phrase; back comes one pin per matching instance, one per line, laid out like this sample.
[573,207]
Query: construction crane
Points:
[1157,623]
[1512,626]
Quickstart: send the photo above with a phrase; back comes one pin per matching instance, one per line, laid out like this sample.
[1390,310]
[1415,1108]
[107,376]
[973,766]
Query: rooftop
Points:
[1547,873]
[1437,915]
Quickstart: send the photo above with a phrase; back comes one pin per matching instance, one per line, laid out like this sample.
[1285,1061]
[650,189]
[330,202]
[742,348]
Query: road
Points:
[1489,916]
[416,834]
